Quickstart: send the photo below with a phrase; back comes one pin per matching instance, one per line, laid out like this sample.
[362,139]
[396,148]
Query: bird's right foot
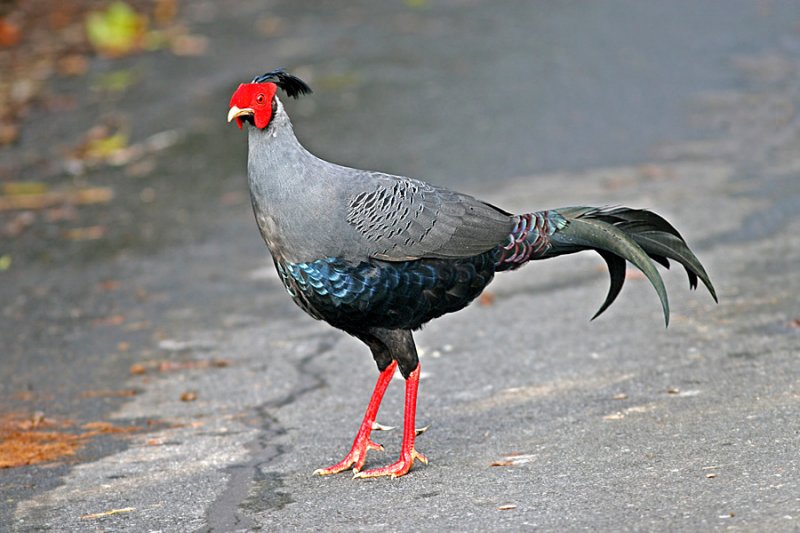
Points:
[354,459]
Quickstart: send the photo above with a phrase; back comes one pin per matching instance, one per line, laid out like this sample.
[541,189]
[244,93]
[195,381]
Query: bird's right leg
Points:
[362,443]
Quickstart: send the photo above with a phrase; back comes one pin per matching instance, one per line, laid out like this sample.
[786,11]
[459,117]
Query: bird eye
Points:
[260,99]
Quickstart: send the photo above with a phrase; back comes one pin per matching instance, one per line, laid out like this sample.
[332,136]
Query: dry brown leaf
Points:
[89,233]
[189,396]
[9,133]
[124,393]
[106,428]
[193,364]
[10,34]
[486,298]
[165,11]
[87,196]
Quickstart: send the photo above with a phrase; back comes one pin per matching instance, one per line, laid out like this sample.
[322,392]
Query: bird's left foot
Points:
[400,468]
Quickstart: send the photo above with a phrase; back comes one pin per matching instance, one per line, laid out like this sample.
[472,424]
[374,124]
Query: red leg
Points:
[362,443]
[407,452]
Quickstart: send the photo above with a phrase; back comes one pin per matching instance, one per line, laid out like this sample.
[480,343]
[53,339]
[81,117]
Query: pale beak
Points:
[235,112]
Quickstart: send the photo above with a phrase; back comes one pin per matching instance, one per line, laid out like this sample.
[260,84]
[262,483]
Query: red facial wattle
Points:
[255,100]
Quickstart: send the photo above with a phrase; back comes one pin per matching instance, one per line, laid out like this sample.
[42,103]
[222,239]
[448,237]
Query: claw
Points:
[381,427]
[421,458]
[356,458]
[374,446]
[420,431]
[400,468]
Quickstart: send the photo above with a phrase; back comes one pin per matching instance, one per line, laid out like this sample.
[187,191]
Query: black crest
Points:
[291,85]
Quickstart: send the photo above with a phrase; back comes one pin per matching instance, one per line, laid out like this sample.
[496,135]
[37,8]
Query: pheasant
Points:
[377,256]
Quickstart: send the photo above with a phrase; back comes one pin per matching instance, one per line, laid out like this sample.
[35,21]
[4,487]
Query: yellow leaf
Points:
[16,188]
[117,30]
[106,146]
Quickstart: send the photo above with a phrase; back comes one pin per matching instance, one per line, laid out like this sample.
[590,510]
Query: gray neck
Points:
[275,142]
[290,188]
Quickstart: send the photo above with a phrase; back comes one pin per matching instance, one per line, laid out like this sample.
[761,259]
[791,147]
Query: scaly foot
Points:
[400,468]
[354,459]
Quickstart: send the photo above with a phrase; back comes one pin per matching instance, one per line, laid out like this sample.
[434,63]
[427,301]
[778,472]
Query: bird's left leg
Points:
[362,443]
[405,353]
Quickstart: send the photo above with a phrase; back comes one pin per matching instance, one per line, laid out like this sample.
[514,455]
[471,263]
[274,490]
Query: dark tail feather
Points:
[616,270]
[620,234]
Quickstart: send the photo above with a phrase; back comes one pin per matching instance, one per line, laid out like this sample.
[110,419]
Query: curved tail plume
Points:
[618,234]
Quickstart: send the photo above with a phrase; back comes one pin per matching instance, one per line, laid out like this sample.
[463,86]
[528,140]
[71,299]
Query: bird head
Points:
[254,101]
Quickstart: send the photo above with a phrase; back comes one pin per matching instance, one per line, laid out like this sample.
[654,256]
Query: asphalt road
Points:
[611,425]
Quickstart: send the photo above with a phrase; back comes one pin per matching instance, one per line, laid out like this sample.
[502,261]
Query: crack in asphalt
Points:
[248,485]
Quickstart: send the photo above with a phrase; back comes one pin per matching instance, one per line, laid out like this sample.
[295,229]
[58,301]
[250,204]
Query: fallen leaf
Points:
[108,513]
[189,396]
[193,364]
[9,133]
[22,441]
[5,262]
[32,447]
[486,298]
[10,34]
[117,30]
[165,11]
[105,147]
[138,369]
[106,428]
[124,393]
[87,196]
[16,188]
[514,459]
[90,233]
